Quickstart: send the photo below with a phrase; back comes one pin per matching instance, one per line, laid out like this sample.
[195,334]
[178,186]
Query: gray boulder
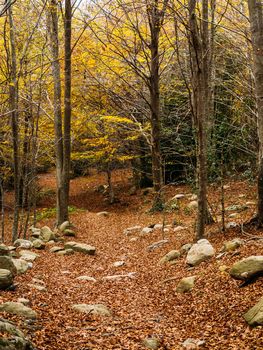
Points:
[6,279]
[186,284]
[28,256]
[64,226]
[38,244]
[4,250]
[47,234]
[95,309]
[23,243]
[199,252]
[65,252]
[81,248]
[16,339]
[247,268]
[18,309]
[170,257]
[232,245]
[21,266]
[7,263]
[151,343]
[254,316]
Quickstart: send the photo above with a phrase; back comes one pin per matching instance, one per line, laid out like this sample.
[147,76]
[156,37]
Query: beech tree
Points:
[256,25]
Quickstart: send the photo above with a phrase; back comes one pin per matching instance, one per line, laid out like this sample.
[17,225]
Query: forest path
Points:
[144,305]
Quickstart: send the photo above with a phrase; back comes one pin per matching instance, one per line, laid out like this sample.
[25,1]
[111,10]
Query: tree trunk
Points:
[67,111]
[13,101]
[62,206]
[256,24]
[199,52]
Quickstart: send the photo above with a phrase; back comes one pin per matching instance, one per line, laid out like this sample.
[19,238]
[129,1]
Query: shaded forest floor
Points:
[145,305]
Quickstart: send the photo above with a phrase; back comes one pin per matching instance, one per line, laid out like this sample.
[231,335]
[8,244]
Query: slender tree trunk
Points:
[67,111]
[199,50]
[256,24]
[13,101]
[54,45]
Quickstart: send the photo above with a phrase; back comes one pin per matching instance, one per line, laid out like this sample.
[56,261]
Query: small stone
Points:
[193,197]
[232,245]
[46,234]
[158,244]
[223,268]
[6,279]
[28,256]
[185,285]
[86,278]
[191,343]
[23,301]
[254,316]
[193,205]
[38,244]
[119,263]
[18,309]
[65,252]
[158,227]
[38,287]
[94,309]
[56,249]
[104,214]
[23,243]
[64,226]
[231,224]
[172,255]
[179,228]
[151,343]
[131,230]
[81,248]
[21,266]
[4,250]
[146,230]
[69,233]
[7,263]
[185,248]
[247,268]
[179,196]
[233,215]
[119,277]
[199,252]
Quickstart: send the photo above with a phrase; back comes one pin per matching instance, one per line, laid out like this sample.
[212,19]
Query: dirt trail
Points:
[142,306]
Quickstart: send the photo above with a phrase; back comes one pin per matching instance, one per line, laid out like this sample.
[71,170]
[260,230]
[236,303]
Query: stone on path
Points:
[247,268]
[18,309]
[4,250]
[64,226]
[7,263]
[94,309]
[23,243]
[38,244]
[254,316]
[231,224]
[192,343]
[24,301]
[28,256]
[185,248]
[119,277]
[16,339]
[199,252]
[232,245]
[6,279]
[151,343]
[131,230]
[47,234]
[146,230]
[56,249]
[158,244]
[65,252]
[81,248]
[69,233]
[180,228]
[178,196]
[103,214]
[119,263]
[86,278]
[186,284]
[170,257]
[21,266]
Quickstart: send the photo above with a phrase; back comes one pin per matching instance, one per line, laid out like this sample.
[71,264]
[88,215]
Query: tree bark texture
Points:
[256,25]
